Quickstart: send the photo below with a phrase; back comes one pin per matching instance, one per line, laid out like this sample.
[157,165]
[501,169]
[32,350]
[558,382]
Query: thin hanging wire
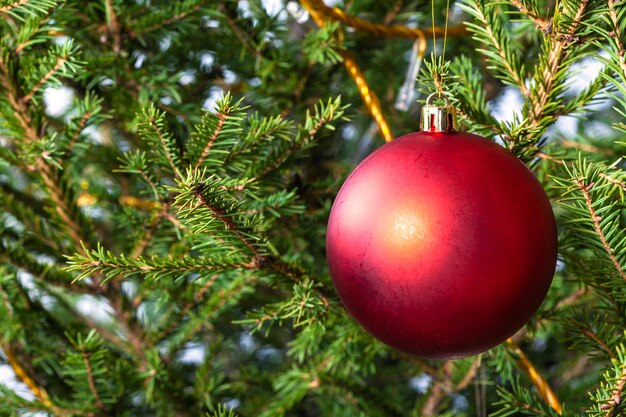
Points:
[445,32]
[437,77]
[432,11]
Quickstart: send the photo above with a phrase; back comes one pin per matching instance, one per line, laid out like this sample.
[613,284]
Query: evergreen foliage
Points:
[162,235]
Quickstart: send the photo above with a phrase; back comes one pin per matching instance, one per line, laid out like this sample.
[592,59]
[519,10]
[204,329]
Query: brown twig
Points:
[240,34]
[593,336]
[205,152]
[21,112]
[62,207]
[541,22]
[9,7]
[229,224]
[617,36]
[613,181]
[616,396]
[555,57]
[91,380]
[113,26]
[584,189]
[393,12]
[79,129]
[279,161]
[440,387]
[470,375]
[586,147]
[572,298]
[168,21]
[163,144]
[59,64]
[66,212]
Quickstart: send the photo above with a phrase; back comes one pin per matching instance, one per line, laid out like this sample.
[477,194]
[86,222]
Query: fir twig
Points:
[79,129]
[218,129]
[616,34]
[438,391]
[541,22]
[90,380]
[230,225]
[113,25]
[470,375]
[545,81]
[594,337]
[584,189]
[173,19]
[57,66]
[9,7]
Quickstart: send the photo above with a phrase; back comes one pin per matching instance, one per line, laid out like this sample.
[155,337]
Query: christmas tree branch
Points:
[500,54]
[542,23]
[545,78]
[65,208]
[47,275]
[22,367]
[377,29]
[595,218]
[168,21]
[325,113]
[368,96]
[57,67]
[240,34]
[113,25]
[19,106]
[91,380]
[590,334]
[219,300]
[156,127]
[439,389]
[81,126]
[616,395]
[609,398]
[470,375]
[219,214]
[6,9]
[112,266]
[149,232]
[616,34]
[198,298]
[218,129]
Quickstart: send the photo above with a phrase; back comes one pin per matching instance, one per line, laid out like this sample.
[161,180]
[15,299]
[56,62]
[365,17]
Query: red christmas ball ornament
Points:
[441,244]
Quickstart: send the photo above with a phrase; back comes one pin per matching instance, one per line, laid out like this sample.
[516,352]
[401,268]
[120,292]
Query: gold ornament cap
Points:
[438,118]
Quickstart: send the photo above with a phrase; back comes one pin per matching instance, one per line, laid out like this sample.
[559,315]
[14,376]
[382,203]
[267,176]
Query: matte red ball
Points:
[442,245]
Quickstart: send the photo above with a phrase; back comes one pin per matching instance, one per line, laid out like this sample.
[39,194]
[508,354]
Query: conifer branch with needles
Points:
[542,23]
[11,6]
[194,240]
[595,218]
[57,67]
